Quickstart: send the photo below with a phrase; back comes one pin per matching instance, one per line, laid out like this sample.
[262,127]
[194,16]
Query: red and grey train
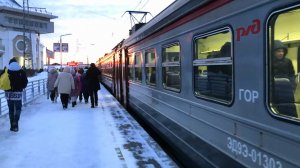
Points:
[205,76]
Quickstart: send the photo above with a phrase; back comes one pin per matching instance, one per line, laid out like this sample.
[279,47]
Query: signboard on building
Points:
[64,46]
[73,63]
[38,25]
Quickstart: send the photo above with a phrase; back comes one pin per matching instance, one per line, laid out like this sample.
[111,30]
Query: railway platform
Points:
[79,137]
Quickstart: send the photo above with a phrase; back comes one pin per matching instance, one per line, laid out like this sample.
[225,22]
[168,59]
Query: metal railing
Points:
[31,92]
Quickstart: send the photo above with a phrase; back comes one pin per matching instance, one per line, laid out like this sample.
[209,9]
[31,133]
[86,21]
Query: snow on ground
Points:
[42,75]
[79,137]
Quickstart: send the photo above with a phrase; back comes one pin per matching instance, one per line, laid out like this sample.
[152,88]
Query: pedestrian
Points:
[64,84]
[85,86]
[92,77]
[75,92]
[52,76]
[18,82]
[81,71]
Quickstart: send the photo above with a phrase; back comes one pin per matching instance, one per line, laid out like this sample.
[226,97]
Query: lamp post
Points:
[60,48]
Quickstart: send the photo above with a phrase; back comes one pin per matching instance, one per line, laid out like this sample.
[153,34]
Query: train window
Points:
[171,67]
[106,68]
[138,66]
[284,65]
[131,67]
[150,67]
[213,66]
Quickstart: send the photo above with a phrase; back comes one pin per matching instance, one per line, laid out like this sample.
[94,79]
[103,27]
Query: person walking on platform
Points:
[18,82]
[75,92]
[92,77]
[85,87]
[64,84]
[52,76]
[84,94]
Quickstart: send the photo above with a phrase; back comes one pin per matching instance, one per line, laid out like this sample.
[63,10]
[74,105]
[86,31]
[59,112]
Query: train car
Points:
[106,65]
[217,80]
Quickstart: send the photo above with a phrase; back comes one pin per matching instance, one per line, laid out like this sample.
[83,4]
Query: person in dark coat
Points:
[85,87]
[18,82]
[284,81]
[92,77]
[282,66]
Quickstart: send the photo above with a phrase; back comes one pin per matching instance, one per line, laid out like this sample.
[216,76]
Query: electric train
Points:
[205,76]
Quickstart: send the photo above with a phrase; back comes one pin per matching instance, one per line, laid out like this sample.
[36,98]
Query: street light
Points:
[60,48]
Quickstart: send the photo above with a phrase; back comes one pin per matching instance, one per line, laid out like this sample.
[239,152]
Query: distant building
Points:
[26,47]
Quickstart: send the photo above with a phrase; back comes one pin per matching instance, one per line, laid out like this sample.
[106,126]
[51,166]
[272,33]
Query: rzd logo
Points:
[244,31]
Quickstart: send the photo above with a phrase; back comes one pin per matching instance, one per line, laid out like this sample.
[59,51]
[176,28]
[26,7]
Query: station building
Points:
[20,30]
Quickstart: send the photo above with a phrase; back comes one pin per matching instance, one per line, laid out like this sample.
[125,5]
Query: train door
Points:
[113,75]
[124,76]
[120,83]
[118,72]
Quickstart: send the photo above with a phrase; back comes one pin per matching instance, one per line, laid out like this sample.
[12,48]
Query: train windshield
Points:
[284,67]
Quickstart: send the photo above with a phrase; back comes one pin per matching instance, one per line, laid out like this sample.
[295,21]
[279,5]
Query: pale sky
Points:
[96,25]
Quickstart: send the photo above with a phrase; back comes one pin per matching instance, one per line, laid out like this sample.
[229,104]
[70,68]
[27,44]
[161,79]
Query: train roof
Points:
[170,14]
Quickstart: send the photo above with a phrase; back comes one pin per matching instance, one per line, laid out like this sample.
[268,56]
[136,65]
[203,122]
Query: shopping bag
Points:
[4,81]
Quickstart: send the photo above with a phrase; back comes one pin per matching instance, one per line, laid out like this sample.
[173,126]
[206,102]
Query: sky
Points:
[78,137]
[96,25]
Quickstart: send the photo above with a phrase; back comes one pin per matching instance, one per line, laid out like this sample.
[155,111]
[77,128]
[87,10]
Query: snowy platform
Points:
[79,137]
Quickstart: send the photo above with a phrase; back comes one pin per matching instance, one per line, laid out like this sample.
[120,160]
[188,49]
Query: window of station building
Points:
[284,63]
[213,66]
[150,67]
[131,67]
[171,67]
[138,66]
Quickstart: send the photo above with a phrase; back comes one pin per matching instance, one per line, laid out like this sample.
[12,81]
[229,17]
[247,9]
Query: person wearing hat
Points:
[282,66]
[18,82]
[284,83]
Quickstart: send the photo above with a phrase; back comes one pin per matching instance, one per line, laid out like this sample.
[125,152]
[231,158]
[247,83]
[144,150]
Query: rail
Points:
[34,89]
